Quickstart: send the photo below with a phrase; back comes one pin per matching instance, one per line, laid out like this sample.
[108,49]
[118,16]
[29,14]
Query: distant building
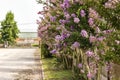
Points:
[28,35]
[27,38]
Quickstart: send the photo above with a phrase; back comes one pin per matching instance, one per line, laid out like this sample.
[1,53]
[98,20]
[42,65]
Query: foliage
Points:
[44,51]
[113,53]
[9,30]
[0,38]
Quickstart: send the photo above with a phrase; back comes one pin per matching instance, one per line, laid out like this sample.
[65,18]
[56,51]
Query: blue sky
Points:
[25,12]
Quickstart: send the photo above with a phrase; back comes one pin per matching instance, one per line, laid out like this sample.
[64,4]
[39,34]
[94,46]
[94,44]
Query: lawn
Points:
[54,73]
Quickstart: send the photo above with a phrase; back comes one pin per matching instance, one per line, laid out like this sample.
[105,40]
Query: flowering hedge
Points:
[80,36]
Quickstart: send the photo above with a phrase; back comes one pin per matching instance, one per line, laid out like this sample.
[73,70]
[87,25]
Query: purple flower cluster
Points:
[67,16]
[65,4]
[62,36]
[65,44]
[43,28]
[59,38]
[93,14]
[107,31]
[111,3]
[53,51]
[73,15]
[52,18]
[84,33]
[75,45]
[92,39]
[65,35]
[100,38]
[89,53]
[62,21]
[80,65]
[91,21]
[89,75]
[82,12]
[76,20]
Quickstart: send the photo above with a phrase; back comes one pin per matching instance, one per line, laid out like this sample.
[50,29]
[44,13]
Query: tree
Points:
[9,30]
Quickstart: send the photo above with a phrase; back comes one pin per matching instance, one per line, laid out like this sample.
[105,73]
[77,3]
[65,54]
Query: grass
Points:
[35,45]
[54,73]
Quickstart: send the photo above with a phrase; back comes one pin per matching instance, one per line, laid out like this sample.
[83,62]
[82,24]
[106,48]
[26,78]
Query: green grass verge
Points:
[35,45]
[54,73]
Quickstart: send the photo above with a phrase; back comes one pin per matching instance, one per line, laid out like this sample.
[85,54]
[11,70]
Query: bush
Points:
[45,52]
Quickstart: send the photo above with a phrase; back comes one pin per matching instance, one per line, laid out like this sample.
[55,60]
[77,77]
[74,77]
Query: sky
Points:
[25,13]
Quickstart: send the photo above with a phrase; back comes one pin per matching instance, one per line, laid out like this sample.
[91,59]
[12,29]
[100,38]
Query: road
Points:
[20,64]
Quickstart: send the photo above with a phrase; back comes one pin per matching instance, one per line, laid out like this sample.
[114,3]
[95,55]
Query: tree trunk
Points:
[108,72]
[5,44]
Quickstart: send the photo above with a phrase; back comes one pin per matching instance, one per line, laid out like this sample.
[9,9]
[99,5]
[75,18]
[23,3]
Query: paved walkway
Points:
[20,64]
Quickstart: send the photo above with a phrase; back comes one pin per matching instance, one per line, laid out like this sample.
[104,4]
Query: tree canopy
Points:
[9,29]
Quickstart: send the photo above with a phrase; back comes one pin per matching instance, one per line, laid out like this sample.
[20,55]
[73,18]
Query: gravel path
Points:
[20,64]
